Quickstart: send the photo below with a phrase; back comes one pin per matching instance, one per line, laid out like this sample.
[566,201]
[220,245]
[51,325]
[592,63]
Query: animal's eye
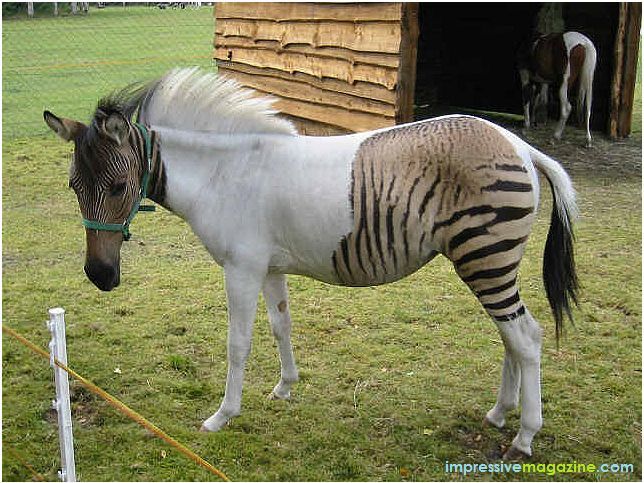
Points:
[118,188]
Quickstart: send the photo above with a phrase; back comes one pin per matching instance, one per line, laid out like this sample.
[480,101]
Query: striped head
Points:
[106,171]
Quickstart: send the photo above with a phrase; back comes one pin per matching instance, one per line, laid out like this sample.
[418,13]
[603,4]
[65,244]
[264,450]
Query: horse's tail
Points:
[559,273]
[586,76]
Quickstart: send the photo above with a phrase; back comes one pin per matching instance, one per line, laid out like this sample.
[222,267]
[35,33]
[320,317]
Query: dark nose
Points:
[104,276]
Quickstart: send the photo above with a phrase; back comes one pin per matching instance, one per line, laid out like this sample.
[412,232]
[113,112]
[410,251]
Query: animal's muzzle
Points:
[104,276]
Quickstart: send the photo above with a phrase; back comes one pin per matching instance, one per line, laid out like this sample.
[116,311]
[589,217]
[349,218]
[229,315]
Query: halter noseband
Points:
[124,227]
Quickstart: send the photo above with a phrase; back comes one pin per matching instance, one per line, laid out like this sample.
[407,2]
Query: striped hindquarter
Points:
[454,186]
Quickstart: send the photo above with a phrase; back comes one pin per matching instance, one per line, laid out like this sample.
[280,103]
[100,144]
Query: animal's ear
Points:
[67,129]
[116,128]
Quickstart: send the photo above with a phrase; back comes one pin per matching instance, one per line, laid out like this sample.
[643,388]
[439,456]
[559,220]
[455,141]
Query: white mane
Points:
[191,99]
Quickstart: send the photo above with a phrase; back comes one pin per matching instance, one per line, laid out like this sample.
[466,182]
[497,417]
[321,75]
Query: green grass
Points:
[64,64]
[380,366]
[395,380]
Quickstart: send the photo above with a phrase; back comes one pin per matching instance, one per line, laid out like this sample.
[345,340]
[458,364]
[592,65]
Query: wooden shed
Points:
[342,67]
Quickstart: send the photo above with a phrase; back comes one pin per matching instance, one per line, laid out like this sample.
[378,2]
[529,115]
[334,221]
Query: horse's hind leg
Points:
[521,336]
[588,106]
[522,339]
[564,105]
[508,395]
[276,295]
[491,275]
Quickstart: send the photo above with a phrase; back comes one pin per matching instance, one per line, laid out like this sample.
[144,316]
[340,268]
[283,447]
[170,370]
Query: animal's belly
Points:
[371,272]
[353,268]
[360,279]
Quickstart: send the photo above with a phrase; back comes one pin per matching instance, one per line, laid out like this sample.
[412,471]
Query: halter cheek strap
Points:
[124,227]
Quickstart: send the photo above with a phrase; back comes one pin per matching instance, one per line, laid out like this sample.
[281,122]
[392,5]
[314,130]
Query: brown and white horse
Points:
[564,60]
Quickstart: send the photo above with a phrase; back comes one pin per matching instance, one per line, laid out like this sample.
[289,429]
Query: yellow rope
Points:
[115,403]
[16,455]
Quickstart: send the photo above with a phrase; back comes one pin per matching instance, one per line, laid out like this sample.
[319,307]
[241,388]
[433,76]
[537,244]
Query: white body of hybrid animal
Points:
[361,209]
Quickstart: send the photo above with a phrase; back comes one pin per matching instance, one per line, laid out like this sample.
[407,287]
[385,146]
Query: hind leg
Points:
[508,396]
[588,103]
[564,106]
[522,339]
[496,289]
[276,295]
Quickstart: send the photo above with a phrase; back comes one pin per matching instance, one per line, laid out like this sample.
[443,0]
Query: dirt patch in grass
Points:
[605,158]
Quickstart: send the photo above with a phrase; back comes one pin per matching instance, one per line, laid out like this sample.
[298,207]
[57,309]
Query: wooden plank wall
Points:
[334,66]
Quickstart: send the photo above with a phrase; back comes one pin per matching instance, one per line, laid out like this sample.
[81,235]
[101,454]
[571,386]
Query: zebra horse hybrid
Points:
[564,60]
[361,209]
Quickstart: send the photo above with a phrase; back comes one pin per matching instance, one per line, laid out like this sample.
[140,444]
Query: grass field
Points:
[395,380]
[66,63]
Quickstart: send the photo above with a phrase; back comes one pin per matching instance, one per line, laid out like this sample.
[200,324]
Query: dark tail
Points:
[559,273]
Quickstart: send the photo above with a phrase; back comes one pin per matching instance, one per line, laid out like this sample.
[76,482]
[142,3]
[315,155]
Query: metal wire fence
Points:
[66,62]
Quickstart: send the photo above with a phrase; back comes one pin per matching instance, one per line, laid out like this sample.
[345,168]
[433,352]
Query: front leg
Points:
[276,295]
[540,109]
[242,291]
[527,92]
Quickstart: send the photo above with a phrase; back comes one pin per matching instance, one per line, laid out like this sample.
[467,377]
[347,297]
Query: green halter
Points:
[137,206]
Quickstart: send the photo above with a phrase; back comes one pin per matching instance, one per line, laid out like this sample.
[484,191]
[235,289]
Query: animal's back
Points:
[549,58]
[450,185]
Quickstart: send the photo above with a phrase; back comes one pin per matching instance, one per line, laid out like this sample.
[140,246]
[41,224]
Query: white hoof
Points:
[281,391]
[214,423]
[492,419]
[520,448]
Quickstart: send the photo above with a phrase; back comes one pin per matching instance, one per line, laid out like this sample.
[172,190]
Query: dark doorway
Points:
[467,52]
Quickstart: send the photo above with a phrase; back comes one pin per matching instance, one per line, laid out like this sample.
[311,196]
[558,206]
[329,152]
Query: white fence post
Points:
[58,350]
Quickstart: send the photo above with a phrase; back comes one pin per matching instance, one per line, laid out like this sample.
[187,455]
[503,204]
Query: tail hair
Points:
[559,271]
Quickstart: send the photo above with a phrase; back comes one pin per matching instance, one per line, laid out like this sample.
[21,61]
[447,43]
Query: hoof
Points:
[215,422]
[281,391]
[490,422]
[515,454]
[207,429]
[273,396]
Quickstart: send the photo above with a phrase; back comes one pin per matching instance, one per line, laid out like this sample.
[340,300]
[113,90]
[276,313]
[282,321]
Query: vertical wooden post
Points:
[625,57]
[406,85]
